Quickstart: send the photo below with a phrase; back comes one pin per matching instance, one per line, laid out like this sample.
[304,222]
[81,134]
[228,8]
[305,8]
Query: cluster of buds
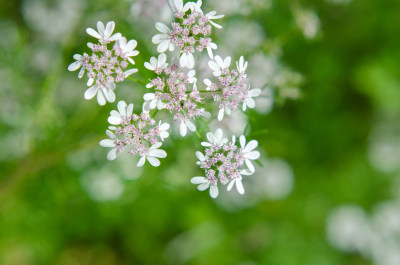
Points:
[106,65]
[174,88]
[223,162]
[176,91]
[233,86]
[139,134]
[190,32]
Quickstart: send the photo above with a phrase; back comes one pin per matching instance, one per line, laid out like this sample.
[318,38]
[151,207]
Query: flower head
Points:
[104,34]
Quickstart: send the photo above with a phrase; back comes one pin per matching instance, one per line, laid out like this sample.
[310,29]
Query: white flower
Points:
[151,102]
[153,154]
[241,65]
[163,40]
[112,142]
[222,111]
[185,124]
[157,64]
[211,15]
[238,181]
[104,35]
[194,6]
[186,60]
[104,93]
[215,139]
[218,64]
[124,111]
[128,49]
[163,128]
[249,101]
[192,76]
[204,184]
[208,83]
[178,7]
[248,152]
[78,64]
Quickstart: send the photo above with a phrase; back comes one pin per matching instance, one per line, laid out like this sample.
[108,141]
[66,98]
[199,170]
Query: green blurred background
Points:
[329,186]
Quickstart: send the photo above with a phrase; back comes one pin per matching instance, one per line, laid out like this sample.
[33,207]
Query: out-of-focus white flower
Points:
[248,152]
[205,184]
[151,102]
[186,124]
[307,21]
[157,65]
[163,40]
[249,101]
[104,34]
[128,49]
[104,93]
[153,154]
[124,113]
[219,64]
[241,65]
[186,60]
[113,144]
[163,127]
[215,139]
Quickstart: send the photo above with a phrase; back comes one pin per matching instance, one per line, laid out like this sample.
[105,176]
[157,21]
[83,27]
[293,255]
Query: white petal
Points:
[191,126]
[90,82]
[230,185]
[122,107]
[101,98]
[100,28]
[162,58]
[107,143]
[109,29]
[183,60]
[214,191]
[149,96]
[141,161]
[114,120]
[158,153]
[153,161]
[200,156]
[162,27]
[112,154]
[91,92]
[239,186]
[250,146]
[198,180]
[149,66]
[190,61]
[221,114]
[110,95]
[183,129]
[129,110]
[206,144]
[74,66]
[115,37]
[250,165]
[203,186]
[163,46]
[252,155]
[255,92]
[93,33]
[242,140]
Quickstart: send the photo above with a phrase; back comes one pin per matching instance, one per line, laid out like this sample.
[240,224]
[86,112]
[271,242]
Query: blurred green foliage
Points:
[50,210]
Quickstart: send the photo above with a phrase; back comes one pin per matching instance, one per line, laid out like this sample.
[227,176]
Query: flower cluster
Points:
[138,133]
[174,89]
[105,66]
[190,33]
[233,86]
[173,92]
[223,162]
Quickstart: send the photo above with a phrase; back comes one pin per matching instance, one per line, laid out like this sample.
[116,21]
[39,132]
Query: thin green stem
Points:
[137,80]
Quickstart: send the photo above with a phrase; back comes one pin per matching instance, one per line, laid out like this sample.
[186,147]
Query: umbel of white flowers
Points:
[174,89]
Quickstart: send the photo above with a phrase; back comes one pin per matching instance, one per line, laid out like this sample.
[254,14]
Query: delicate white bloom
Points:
[249,101]
[157,64]
[218,64]
[124,113]
[104,93]
[163,40]
[208,83]
[248,152]
[163,130]
[128,49]
[113,144]
[151,102]
[215,139]
[104,34]
[192,76]
[186,60]
[186,124]
[241,65]
[78,64]
[152,156]
[212,15]
[222,111]
[204,184]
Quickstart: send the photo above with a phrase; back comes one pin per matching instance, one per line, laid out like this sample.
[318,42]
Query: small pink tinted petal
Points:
[91,92]
[81,73]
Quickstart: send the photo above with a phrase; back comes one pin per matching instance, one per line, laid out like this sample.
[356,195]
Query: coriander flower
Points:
[221,112]
[151,102]
[178,7]
[249,101]
[113,144]
[104,35]
[163,128]
[186,59]
[248,152]
[104,92]
[204,184]
[212,15]
[218,65]
[215,139]
[157,65]
[124,113]
[163,40]
[80,60]
[127,49]
[152,156]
